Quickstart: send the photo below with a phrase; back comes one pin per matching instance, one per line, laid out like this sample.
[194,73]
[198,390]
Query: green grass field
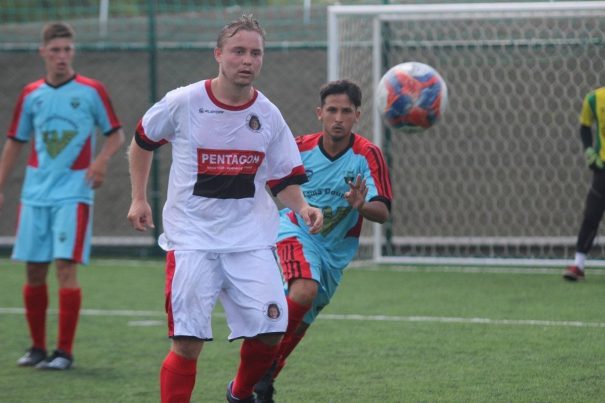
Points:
[392,334]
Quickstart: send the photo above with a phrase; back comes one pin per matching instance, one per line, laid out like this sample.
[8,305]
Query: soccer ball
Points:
[411,97]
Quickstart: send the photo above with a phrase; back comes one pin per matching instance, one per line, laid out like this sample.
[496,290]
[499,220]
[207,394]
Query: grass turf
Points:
[409,335]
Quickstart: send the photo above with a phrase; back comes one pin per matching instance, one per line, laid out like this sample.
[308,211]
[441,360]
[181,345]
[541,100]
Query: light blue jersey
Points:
[61,123]
[323,257]
[328,182]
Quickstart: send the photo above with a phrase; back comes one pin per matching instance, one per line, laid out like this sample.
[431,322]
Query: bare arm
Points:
[292,198]
[375,211]
[139,162]
[98,169]
[8,160]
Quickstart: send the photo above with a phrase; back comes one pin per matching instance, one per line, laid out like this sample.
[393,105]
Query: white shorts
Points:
[248,284]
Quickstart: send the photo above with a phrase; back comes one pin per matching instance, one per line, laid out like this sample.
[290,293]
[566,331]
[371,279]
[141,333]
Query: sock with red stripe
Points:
[177,378]
[256,358]
[70,300]
[35,300]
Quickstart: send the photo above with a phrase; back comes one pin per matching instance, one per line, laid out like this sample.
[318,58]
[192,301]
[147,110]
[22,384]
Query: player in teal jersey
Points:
[60,115]
[349,181]
[593,114]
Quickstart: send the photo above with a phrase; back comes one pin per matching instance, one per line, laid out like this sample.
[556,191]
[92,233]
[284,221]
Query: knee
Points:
[67,274]
[270,339]
[36,273]
[187,347]
[303,291]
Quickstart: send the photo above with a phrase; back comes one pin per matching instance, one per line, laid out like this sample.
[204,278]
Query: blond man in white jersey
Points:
[220,225]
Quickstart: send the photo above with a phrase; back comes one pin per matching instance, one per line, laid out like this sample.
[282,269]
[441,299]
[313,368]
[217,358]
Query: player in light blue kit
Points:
[59,115]
[349,181]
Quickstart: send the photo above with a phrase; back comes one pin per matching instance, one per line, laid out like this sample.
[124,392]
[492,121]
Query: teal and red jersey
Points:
[61,123]
[327,185]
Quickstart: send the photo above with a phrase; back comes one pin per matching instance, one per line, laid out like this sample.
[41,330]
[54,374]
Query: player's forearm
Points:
[139,163]
[112,145]
[375,211]
[8,160]
[292,198]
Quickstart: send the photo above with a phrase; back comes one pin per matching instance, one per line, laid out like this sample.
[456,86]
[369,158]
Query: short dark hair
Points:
[56,30]
[245,22]
[347,87]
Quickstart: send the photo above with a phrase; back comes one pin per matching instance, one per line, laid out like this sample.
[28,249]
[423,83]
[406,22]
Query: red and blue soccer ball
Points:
[411,97]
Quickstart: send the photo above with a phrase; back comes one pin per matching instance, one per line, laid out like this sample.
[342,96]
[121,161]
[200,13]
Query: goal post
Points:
[501,178]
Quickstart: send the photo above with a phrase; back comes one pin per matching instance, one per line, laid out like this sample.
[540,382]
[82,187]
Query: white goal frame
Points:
[432,12]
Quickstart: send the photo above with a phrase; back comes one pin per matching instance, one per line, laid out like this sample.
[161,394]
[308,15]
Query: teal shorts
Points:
[301,258]
[47,233]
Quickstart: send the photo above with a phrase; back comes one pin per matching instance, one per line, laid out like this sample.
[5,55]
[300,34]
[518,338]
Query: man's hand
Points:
[95,175]
[593,161]
[140,216]
[313,218]
[356,196]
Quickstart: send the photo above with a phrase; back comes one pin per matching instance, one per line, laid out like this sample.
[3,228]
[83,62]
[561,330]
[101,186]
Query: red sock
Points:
[70,300]
[256,358]
[296,312]
[35,299]
[177,378]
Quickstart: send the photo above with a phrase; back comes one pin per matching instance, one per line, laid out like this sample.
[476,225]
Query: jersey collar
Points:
[62,84]
[337,156]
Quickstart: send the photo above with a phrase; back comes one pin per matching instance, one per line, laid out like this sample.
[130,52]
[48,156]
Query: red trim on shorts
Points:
[170,268]
[82,217]
[293,262]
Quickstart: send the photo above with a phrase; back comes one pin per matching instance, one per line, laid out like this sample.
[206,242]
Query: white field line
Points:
[482,321]
[366,265]
[326,316]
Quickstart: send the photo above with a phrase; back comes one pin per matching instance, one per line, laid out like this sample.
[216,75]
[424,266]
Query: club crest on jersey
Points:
[75,103]
[253,123]
[56,142]
[309,173]
[272,311]
[349,177]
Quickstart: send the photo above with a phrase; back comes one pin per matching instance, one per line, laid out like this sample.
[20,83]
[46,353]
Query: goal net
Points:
[501,178]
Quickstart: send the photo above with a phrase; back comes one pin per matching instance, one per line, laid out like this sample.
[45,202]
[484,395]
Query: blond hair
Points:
[245,22]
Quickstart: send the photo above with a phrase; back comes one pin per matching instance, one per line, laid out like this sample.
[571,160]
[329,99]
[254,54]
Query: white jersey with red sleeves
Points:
[222,159]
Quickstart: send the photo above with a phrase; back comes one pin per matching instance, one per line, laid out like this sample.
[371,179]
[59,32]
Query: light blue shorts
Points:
[48,233]
[301,258]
